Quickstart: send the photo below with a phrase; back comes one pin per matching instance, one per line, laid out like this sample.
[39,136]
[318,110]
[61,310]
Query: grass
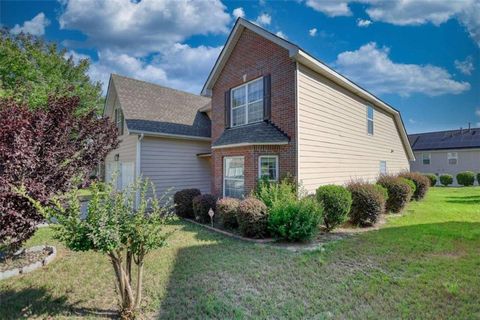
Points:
[424,264]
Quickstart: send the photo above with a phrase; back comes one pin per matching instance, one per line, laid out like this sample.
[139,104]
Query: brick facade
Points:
[253,57]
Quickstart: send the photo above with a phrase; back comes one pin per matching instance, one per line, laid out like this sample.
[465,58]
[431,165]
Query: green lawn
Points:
[424,265]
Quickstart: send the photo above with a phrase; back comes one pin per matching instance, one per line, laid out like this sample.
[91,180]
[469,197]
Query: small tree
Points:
[44,150]
[116,227]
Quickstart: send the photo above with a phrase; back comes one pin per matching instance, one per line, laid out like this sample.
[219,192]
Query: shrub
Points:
[368,202]
[183,200]
[466,178]
[411,185]
[252,217]
[432,177]
[270,192]
[383,191]
[295,220]
[446,179]
[399,192]
[227,212]
[478,178]
[201,205]
[421,182]
[336,202]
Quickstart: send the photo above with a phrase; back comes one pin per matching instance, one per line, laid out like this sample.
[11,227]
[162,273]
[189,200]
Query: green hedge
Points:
[446,179]
[466,178]
[336,202]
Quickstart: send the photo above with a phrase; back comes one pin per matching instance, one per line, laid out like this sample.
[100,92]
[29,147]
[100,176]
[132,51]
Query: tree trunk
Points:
[138,298]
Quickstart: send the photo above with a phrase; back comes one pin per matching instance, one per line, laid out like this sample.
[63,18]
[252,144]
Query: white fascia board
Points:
[168,135]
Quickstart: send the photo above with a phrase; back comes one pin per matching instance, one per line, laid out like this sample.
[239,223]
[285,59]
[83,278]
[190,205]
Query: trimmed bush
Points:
[411,185]
[227,212]
[295,220]
[466,178]
[433,179]
[383,191]
[399,192]
[201,205]
[446,179]
[478,178]
[183,200]
[421,182]
[336,202]
[252,217]
[368,203]
[270,192]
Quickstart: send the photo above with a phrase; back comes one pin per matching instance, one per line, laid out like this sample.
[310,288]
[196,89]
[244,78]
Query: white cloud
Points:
[181,66]
[264,19]
[281,35]
[412,121]
[410,12]
[35,27]
[363,23]
[238,13]
[144,26]
[312,32]
[371,67]
[331,8]
[466,66]
[477,112]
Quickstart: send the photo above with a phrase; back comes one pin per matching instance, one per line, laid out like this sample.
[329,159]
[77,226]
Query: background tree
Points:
[44,150]
[115,227]
[32,70]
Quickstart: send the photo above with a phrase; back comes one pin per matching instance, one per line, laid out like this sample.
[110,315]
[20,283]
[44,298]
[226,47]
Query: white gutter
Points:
[245,144]
[168,135]
[138,160]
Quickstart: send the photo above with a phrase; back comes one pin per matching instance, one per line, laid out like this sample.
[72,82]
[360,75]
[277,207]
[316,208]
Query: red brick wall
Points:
[255,56]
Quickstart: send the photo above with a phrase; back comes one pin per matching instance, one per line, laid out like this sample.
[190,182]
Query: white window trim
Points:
[448,158]
[246,102]
[371,119]
[225,169]
[380,166]
[276,167]
[429,158]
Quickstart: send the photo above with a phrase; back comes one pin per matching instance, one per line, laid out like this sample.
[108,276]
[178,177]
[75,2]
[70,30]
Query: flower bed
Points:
[33,258]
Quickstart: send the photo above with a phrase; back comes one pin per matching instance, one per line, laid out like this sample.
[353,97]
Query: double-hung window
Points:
[452,158]
[268,167]
[426,158]
[370,120]
[383,167]
[233,177]
[247,103]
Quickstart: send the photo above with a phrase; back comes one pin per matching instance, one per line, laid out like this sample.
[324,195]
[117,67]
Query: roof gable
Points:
[152,108]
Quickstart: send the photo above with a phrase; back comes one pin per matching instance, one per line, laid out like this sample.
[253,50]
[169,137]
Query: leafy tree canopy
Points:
[31,70]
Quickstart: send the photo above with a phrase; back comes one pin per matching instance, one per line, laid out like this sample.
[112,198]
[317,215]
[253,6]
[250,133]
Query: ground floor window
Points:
[233,177]
[268,167]
[383,167]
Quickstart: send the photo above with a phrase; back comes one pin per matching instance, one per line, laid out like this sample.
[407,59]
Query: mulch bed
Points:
[23,259]
[322,238]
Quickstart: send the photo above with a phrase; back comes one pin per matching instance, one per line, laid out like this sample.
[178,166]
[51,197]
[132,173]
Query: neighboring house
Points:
[449,152]
[275,111]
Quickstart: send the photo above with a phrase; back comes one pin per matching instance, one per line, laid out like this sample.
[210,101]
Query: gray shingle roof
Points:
[452,139]
[261,133]
[154,108]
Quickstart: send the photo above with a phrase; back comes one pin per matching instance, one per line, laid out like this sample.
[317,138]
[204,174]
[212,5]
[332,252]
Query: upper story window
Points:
[452,157]
[247,103]
[119,120]
[426,158]
[370,120]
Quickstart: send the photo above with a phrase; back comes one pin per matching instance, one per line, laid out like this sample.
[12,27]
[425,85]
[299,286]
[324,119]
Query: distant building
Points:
[449,152]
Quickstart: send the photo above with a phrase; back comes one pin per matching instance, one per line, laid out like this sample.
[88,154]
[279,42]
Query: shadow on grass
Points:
[39,303]
[231,279]
[464,200]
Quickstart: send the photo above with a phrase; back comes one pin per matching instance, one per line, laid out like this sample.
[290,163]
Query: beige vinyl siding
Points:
[333,144]
[173,163]
[468,160]
[127,149]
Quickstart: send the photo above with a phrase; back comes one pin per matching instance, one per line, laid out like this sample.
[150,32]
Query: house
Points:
[446,152]
[274,111]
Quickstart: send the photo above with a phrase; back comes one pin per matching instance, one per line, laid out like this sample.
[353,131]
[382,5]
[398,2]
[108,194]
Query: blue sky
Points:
[421,56]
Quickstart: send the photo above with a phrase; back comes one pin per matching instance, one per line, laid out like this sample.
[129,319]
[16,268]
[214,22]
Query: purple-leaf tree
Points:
[44,150]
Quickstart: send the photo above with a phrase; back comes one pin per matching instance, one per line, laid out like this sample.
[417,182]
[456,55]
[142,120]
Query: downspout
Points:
[137,165]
